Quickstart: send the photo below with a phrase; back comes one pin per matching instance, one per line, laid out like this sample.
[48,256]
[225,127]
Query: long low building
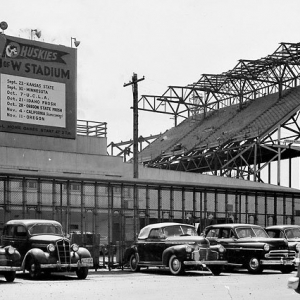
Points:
[77,183]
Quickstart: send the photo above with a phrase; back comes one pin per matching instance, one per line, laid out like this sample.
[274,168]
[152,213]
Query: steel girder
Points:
[124,148]
[249,79]
[243,158]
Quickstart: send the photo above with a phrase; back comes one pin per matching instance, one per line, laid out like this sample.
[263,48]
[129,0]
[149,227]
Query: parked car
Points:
[175,246]
[10,262]
[289,232]
[251,247]
[44,248]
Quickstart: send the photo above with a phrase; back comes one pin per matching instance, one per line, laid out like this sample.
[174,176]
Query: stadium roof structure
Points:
[237,122]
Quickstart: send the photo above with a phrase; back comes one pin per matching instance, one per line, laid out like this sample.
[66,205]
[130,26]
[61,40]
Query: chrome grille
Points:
[201,254]
[213,255]
[281,254]
[63,251]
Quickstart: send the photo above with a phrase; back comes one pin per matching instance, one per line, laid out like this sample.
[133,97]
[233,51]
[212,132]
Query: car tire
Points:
[287,269]
[216,270]
[10,276]
[82,273]
[254,265]
[34,269]
[133,263]
[175,265]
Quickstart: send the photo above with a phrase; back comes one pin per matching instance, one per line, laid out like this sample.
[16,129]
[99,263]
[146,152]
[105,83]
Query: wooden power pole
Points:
[134,83]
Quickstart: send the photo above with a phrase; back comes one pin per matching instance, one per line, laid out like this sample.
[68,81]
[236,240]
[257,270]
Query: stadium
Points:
[232,155]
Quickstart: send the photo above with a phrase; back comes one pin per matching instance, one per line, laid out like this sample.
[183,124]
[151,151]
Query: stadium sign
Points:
[37,88]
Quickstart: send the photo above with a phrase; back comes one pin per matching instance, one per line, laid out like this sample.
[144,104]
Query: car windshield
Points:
[246,232]
[292,233]
[45,229]
[260,232]
[179,230]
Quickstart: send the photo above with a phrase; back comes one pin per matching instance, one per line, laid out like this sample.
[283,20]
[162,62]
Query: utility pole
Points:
[134,83]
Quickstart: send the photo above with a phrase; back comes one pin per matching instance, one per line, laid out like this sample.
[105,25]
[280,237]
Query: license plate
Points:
[88,261]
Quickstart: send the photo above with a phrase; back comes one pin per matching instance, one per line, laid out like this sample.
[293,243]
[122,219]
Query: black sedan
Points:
[174,246]
[251,247]
[289,232]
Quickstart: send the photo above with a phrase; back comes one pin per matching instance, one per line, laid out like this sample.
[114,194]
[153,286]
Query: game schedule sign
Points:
[37,88]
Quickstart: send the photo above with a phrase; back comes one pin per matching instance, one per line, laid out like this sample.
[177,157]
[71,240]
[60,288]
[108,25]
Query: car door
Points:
[21,239]
[227,238]
[154,246]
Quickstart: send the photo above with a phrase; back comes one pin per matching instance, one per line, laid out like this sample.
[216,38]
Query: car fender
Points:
[178,250]
[83,252]
[37,254]
[129,252]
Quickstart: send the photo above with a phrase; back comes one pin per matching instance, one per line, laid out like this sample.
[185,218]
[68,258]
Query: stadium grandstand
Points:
[234,124]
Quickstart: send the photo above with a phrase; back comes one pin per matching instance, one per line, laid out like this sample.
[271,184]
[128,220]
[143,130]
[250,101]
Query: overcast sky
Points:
[170,42]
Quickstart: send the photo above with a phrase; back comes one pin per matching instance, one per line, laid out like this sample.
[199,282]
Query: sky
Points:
[169,42]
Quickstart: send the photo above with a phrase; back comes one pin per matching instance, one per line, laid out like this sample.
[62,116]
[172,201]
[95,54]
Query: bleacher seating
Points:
[255,118]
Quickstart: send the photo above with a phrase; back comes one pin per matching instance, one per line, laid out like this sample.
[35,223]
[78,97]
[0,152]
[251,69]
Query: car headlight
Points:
[298,247]
[188,248]
[51,248]
[74,247]
[10,250]
[221,249]
[266,247]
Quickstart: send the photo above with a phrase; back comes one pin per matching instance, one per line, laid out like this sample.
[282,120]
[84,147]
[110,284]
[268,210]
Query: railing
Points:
[91,128]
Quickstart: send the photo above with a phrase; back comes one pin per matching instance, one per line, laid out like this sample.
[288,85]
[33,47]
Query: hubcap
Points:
[133,263]
[32,268]
[175,264]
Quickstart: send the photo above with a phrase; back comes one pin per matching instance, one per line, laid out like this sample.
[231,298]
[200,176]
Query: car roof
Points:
[282,226]
[29,222]
[166,224]
[232,225]
[144,232]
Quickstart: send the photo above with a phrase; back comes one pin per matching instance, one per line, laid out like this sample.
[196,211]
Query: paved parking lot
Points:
[151,284]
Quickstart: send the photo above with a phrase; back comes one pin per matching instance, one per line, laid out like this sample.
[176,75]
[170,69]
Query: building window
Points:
[76,187]
[29,184]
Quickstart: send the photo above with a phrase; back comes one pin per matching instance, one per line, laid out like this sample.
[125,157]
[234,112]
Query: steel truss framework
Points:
[245,157]
[124,148]
[248,80]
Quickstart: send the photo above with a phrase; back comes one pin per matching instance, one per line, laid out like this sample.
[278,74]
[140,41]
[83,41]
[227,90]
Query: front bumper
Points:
[279,262]
[84,262]
[205,263]
[10,268]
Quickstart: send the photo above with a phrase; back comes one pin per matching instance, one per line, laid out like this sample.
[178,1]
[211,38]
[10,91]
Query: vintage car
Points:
[289,232]
[44,248]
[10,262]
[174,246]
[251,247]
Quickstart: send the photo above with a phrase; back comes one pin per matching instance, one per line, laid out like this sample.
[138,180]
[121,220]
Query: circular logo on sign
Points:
[12,49]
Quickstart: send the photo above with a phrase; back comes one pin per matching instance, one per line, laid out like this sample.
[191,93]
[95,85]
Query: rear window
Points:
[21,231]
